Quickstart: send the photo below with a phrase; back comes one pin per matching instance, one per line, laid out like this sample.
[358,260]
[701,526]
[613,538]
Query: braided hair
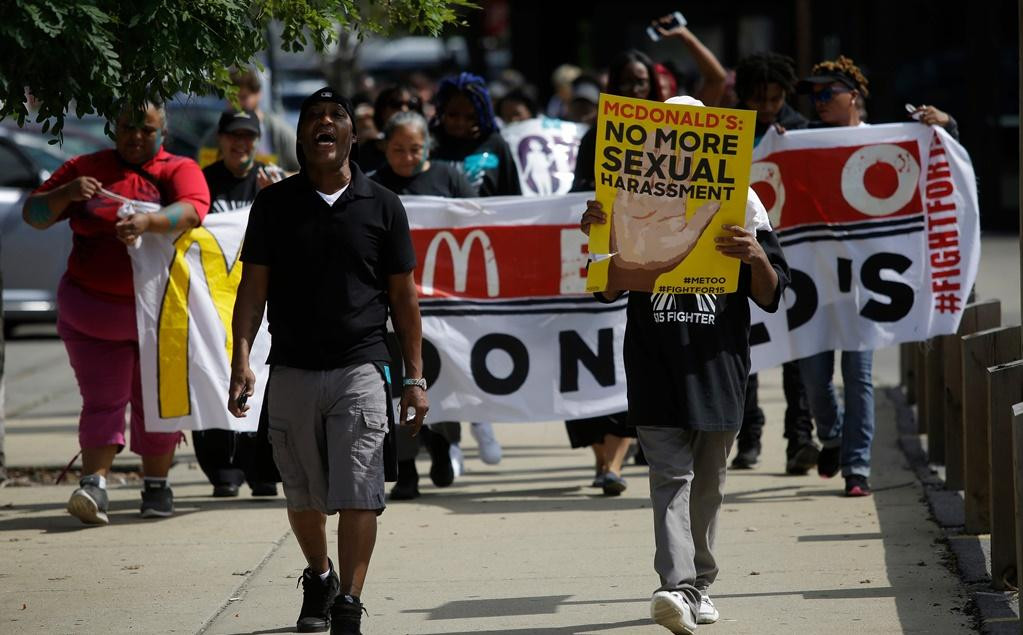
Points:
[474,88]
[847,67]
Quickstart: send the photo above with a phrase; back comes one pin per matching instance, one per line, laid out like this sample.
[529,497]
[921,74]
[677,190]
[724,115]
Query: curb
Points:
[995,612]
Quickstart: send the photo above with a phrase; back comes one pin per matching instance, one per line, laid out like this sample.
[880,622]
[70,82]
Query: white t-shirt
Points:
[332,198]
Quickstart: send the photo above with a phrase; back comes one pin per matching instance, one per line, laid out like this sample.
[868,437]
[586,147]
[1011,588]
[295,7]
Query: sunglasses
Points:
[824,96]
[398,104]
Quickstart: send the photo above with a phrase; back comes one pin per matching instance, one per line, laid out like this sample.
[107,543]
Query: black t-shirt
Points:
[228,192]
[442,179]
[487,163]
[329,268]
[687,357]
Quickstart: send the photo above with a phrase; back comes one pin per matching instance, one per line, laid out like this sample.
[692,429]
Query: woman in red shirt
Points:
[96,298]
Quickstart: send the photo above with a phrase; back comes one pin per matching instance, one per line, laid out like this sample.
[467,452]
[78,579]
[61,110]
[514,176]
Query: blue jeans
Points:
[852,430]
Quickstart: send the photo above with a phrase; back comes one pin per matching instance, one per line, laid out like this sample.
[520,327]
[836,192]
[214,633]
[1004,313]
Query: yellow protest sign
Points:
[668,176]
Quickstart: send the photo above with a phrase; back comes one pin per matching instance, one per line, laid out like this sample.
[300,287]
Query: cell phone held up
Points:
[673,21]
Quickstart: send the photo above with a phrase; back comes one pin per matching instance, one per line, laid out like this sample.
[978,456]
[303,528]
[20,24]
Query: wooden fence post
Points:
[1017,444]
[920,383]
[976,317]
[1005,389]
[935,397]
[981,351]
[907,370]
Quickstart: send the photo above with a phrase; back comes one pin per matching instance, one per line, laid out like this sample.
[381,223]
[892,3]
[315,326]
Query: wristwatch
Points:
[421,382]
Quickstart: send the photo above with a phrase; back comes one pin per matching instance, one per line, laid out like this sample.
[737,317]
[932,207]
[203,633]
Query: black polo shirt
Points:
[329,267]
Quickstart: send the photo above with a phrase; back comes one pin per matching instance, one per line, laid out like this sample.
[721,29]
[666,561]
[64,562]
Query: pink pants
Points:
[101,339]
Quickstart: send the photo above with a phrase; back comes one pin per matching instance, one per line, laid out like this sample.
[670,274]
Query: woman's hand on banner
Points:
[413,407]
[931,116]
[243,382]
[130,228]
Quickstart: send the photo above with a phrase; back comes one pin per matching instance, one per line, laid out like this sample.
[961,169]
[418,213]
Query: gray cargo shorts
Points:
[327,430]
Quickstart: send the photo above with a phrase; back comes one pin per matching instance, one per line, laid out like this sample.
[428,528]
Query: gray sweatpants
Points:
[687,484]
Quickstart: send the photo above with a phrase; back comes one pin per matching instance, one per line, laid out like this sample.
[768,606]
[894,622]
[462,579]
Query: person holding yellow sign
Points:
[687,355]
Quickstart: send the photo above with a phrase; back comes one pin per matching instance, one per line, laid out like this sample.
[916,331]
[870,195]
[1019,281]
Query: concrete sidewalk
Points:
[523,547]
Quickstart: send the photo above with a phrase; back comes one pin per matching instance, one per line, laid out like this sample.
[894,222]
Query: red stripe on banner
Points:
[839,185]
[493,261]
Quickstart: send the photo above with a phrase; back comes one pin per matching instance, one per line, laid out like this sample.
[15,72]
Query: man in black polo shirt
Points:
[329,253]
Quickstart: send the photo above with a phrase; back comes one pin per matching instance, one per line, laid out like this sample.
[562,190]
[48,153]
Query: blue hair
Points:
[474,88]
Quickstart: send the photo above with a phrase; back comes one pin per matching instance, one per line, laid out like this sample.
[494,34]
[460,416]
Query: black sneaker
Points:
[89,502]
[856,485]
[746,458]
[802,459]
[317,597]
[346,616]
[263,489]
[225,490]
[157,500]
[441,471]
[829,461]
[407,486]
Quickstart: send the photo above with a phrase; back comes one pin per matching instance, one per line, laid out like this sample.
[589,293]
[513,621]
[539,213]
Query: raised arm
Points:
[712,72]
[401,292]
[248,315]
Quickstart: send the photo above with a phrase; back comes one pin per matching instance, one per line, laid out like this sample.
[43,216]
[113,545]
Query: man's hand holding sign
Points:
[689,153]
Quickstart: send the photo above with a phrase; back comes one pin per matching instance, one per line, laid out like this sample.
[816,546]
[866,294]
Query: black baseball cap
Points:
[239,121]
[827,77]
[327,94]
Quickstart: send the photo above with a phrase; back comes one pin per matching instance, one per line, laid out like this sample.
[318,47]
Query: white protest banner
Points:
[880,226]
[509,334]
[545,152]
[184,296]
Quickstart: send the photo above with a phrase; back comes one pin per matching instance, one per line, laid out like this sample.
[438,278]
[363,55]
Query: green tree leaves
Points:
[96,56]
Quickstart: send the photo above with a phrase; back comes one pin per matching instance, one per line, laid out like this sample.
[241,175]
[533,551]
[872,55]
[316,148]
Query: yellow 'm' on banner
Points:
[172,336]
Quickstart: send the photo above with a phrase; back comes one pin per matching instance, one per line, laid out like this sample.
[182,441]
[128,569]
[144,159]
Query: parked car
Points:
[32,261]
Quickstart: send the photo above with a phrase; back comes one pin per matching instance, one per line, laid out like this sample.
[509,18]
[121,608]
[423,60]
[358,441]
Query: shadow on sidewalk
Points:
[121,513]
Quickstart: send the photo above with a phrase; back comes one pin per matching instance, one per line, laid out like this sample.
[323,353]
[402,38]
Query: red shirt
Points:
[99,262]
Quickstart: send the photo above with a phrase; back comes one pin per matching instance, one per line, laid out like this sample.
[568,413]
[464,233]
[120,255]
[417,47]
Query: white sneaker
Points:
[457,460]
[707,614]
[671,610]
[490,448]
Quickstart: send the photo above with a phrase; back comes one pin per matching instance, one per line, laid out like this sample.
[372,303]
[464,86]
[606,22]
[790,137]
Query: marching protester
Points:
[585,97]
[838,89]
[686,381]
[631,74]
[465,130]
[229,458]
[764,82]
[390,101]
[329,272]
[277,141]
[101,195]
[516,105]
[409,170]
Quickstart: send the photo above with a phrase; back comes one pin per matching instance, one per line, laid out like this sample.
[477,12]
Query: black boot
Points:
[317,598]
[346,616]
